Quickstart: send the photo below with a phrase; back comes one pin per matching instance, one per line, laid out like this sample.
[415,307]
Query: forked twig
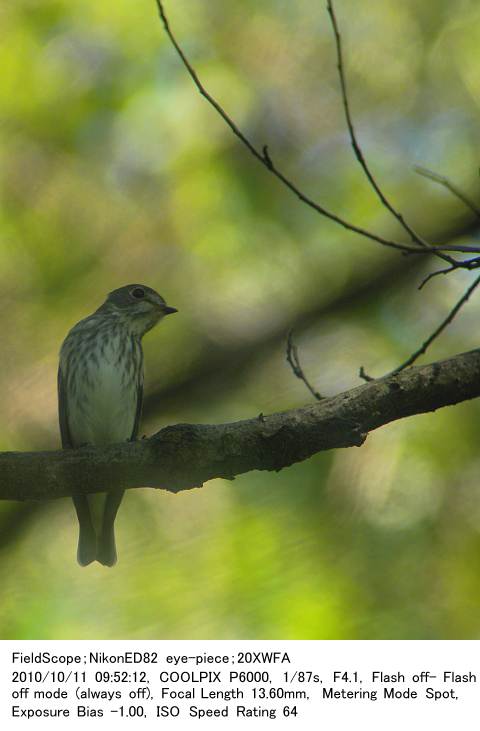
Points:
[264,157]
[294,362]
[419,246]
[466,264]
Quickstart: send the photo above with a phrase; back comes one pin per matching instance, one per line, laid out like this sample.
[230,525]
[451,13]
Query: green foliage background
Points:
[115,170]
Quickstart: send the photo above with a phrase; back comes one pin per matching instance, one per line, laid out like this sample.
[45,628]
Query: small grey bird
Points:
[100,389]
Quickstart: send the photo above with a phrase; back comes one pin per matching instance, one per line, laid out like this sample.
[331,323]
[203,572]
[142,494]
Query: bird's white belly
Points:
[104,408]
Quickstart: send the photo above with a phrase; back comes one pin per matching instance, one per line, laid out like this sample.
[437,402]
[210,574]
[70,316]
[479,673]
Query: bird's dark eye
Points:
[138,293]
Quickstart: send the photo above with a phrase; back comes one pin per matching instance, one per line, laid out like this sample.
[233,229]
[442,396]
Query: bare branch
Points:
[187,455]
[263,155]
[430,276]
[424,347]
[294,362]
[452,187]
[467,264]
[461,248]
[216,367]
[415,237]
[426,344]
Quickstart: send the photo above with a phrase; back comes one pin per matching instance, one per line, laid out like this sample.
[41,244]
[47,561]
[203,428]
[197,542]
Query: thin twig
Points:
[430,276]
[362,374]
[469,264]
[461,248]
[353,137]
[263,155]
[356,146]
[424,347]
[452,187]
[294,362]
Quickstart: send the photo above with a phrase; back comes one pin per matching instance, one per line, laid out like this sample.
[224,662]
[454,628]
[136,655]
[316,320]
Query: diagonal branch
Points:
[469,264]
[426,344]
[452,187]
[263,155]
[217,366]
[415,237]
[187,455]
[293,361]
[353,137]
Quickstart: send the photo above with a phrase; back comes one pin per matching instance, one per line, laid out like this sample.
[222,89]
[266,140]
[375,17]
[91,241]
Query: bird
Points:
[100,393]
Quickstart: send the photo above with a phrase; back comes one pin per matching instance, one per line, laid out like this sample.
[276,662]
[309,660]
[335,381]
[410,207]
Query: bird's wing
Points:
[138,413]
[62,412]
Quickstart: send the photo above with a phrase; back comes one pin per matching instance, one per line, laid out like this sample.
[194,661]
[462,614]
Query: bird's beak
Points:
[169,310]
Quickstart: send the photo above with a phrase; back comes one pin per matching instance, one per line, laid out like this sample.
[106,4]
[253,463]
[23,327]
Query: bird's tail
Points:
[106,549]
[97,545]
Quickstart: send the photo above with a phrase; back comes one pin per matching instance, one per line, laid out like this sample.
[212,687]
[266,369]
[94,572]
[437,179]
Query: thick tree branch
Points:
[187,455]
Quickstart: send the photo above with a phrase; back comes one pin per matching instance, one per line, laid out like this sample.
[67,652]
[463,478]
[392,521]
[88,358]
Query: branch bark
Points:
[187,455]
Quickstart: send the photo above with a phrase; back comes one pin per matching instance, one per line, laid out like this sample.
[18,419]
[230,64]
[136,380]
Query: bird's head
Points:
[138,305]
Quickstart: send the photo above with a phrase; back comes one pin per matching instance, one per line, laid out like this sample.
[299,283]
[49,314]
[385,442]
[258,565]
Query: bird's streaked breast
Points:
[102,371]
